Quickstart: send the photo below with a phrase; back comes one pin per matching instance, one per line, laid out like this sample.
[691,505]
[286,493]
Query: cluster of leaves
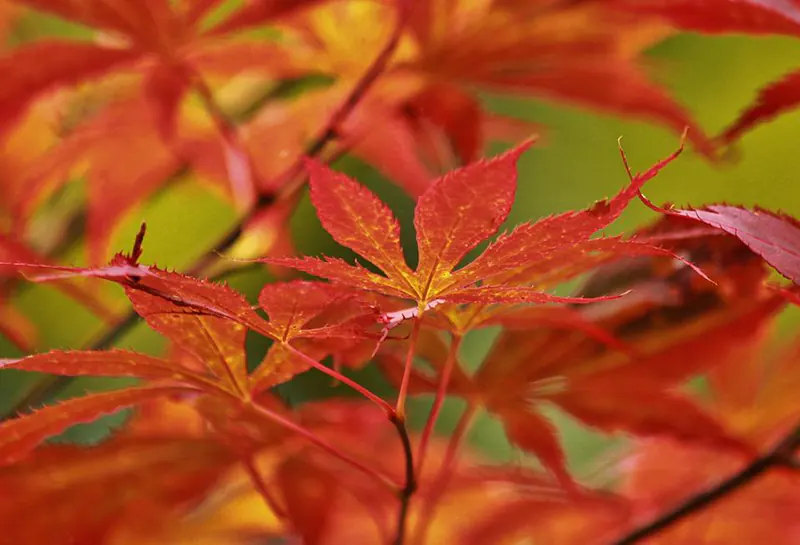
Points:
[614,361]
[234,95]
[203,87]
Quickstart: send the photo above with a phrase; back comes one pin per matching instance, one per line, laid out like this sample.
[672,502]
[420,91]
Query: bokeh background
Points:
[575,163]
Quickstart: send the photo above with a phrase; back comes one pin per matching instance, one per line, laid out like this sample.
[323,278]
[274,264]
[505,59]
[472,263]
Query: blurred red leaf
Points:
[673,326]
[756,399]
[140,483]
[772,100]
[165,46]
[21,435]
[108,363]
[722,16]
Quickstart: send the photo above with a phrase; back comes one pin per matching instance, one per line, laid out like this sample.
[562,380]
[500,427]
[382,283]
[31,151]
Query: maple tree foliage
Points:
[664,343]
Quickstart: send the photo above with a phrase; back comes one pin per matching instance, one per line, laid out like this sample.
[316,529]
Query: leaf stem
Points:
[321,443]
[441,393]
[445,470]
[456,440]
[390,411]
[410,486]
[403,391]
[778,456]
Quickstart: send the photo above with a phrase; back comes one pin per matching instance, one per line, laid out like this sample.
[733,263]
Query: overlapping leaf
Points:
[134,482]
[152,32]
[303,314]
[142,481]
[22,435]
[452,46]
[162,53]
[758,399]
[773,236]
[673,325]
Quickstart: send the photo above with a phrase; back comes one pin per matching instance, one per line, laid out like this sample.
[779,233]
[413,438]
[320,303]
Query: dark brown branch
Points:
[778,456]
[410,486]
[48,387]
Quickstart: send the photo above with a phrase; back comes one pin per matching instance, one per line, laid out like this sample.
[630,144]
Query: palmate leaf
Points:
[217,342]
[208,322]
[456,213]
[312,318]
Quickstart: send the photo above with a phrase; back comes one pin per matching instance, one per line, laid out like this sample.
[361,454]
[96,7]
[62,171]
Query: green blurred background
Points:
[576,163]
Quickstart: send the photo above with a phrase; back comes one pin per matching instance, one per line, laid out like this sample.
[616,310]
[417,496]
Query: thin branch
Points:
[410,486]
[778,456]
[321,443]
[441,393]
[403,391]
[388,409]
[50,386]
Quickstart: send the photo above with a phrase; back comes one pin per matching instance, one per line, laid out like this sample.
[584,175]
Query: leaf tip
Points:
[136,251]
[522,147]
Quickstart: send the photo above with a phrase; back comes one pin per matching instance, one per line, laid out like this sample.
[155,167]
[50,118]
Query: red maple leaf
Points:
[455,214]
[673,326]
